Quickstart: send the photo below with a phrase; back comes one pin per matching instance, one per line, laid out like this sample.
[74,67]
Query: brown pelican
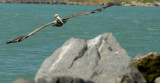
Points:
[58,22]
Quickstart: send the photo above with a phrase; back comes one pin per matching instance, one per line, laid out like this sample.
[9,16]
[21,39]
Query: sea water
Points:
[136,28]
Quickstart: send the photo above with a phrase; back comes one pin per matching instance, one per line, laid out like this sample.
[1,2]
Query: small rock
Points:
[138,56]
[157,80]
[22,80]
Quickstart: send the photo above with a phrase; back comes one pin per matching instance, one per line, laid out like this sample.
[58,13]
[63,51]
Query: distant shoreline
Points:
[130,3]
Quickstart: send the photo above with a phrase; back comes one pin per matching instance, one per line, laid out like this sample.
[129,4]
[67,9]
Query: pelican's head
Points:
[56,15]
[58,18]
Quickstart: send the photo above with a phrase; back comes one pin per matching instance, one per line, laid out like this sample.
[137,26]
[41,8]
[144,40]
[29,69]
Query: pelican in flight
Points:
[58,22]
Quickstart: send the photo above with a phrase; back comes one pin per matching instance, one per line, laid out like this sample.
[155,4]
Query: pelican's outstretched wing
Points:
[94,11]
[19,39]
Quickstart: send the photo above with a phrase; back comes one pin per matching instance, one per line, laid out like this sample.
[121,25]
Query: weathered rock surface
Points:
[149,66]
[99,60]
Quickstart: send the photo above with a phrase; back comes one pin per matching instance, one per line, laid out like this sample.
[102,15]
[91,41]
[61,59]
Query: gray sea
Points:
[136,28]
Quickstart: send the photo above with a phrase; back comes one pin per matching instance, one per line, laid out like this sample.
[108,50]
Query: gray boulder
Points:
[100,60]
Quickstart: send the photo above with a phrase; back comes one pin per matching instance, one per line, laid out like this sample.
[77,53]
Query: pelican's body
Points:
[59,22]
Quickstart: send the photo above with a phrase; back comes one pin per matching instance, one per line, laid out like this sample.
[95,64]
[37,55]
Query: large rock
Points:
[100,60]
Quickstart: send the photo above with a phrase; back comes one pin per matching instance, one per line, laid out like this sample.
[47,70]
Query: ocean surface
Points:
[136,28]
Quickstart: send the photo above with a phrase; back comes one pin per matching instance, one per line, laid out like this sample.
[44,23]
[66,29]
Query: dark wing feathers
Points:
[86,13]
[36,30]
[19,39]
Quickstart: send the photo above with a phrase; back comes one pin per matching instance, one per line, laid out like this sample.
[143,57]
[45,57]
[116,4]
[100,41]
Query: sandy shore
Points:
[131,3]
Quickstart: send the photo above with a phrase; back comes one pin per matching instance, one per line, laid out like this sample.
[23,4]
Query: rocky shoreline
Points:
[98,60]
[130,3]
